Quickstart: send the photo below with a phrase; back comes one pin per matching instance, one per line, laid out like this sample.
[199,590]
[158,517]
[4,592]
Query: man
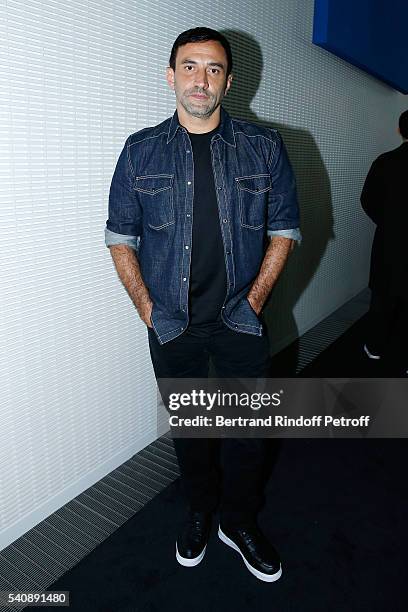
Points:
[193,203]
[384,199]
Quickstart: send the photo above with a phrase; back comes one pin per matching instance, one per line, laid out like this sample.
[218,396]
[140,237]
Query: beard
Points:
[201,108]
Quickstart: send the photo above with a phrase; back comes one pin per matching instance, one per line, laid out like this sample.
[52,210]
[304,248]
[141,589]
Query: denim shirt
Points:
[151,210]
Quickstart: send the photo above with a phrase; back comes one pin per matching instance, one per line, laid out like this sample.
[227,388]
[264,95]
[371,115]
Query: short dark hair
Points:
[200,35]
[403,124]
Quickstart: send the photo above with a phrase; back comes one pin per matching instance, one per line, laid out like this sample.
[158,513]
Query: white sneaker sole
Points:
[190,562]
[253,570]
[370,355]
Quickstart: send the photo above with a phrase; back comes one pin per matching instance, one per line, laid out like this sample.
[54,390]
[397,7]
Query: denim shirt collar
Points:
[225,128]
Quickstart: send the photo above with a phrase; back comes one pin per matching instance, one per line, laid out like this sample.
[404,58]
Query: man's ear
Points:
[170,77]
[228,84]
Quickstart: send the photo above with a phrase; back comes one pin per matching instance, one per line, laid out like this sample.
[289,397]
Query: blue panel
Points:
[370,34]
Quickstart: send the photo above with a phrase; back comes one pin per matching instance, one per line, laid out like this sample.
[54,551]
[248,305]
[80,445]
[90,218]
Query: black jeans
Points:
[228,470]
[387,326]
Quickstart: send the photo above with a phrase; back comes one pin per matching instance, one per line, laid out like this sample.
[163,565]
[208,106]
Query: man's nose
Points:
[201,79]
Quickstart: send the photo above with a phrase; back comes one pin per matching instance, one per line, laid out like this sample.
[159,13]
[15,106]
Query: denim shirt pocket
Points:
[156,198]
[253,192]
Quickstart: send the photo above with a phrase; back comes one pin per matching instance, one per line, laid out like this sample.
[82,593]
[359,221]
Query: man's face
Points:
[200,80]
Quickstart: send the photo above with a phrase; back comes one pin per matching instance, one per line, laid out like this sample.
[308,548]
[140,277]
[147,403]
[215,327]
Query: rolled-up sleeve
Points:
[124,225]
[112,238]
[283,207]
[293,234]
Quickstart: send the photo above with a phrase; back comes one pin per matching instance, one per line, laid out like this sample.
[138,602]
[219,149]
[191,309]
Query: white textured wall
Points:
[76,78]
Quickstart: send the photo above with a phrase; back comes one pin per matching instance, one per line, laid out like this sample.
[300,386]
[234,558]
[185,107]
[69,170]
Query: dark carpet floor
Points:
[345,358]
[336,509]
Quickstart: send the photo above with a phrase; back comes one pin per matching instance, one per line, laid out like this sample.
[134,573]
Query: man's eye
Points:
[215,70]
[188,68]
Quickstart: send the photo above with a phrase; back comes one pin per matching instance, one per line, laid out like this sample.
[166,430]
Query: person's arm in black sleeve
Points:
[372,195]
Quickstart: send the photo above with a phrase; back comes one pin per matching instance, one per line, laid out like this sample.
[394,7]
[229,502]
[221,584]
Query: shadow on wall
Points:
[313,191]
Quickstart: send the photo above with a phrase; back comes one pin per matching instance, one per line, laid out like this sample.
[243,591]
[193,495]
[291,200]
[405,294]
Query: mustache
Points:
[198,90]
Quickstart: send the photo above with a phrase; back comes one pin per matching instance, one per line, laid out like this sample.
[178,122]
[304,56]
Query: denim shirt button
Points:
[184,279]
[224,221]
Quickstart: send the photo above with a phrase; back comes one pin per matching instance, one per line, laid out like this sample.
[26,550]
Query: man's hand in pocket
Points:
[145,313]
[255,306]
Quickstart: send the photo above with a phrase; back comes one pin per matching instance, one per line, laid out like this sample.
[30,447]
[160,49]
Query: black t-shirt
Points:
[208,279]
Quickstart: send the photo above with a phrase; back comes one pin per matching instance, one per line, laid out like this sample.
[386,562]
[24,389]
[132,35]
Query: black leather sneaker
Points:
[258,554]
[192,541]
